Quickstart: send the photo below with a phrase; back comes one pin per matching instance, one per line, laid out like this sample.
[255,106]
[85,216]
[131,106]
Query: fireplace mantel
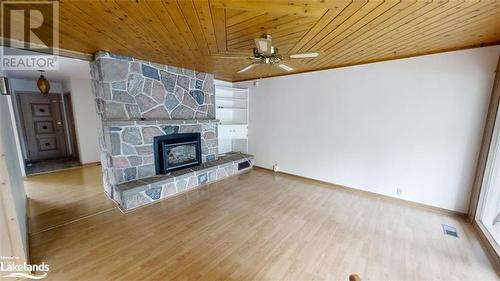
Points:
[111,123]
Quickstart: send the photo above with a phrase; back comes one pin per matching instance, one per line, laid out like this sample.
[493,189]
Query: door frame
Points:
[487,157]
[21,120]
[70,125]
[492,159]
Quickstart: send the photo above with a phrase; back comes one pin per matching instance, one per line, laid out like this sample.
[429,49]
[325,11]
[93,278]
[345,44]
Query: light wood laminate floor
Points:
[257,225]
[61,197]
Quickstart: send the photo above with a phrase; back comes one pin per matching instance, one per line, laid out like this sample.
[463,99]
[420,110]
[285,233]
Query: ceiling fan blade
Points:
[285,67]
[304,55]
[246,68]
[264,44]
[233,57]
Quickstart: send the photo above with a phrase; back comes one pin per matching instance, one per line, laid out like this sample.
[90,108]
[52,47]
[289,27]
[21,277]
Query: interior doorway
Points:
[48,131]
[42,123]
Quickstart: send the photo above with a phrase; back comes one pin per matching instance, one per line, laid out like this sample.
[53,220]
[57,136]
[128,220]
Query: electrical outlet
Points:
[276,168]
[399,191]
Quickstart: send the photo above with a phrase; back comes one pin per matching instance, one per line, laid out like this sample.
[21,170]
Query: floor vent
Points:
[450,230]
[243,165]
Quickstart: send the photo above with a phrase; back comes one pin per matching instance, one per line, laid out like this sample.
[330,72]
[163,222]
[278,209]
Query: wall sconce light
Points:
[4,86]
[43,84]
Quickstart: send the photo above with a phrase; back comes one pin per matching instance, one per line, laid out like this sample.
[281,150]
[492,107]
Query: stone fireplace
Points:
[141,105]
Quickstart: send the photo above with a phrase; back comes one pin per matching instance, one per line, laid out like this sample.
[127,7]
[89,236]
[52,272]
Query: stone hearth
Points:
[134,194]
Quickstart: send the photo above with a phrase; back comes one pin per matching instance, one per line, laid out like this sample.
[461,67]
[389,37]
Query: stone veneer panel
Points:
[131,89]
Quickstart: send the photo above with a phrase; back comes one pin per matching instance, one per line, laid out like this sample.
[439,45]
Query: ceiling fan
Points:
[266,53]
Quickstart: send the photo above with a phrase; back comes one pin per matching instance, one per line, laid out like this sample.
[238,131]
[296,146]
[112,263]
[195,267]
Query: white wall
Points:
[414,124]
[222,83]
[8,142]
[85,117]
[77,82]
[29,85]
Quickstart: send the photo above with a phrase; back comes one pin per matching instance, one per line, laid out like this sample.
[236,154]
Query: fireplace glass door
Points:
[180,154]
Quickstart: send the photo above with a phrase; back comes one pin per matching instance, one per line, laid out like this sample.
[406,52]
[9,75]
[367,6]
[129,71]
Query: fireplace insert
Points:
[177,151]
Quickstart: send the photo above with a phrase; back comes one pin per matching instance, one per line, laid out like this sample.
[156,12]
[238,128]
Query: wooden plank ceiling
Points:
[195,33]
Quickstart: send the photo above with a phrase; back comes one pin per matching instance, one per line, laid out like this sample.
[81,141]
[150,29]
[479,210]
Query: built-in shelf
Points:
[232,89]
[232,105]
[224,124]
[231,99]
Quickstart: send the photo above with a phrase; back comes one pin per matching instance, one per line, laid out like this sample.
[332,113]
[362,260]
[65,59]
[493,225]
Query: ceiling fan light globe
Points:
[262,45]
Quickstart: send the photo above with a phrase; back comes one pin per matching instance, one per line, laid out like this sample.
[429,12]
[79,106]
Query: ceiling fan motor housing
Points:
[271,58]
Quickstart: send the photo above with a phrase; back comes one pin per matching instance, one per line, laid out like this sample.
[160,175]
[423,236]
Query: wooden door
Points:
[43,126]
